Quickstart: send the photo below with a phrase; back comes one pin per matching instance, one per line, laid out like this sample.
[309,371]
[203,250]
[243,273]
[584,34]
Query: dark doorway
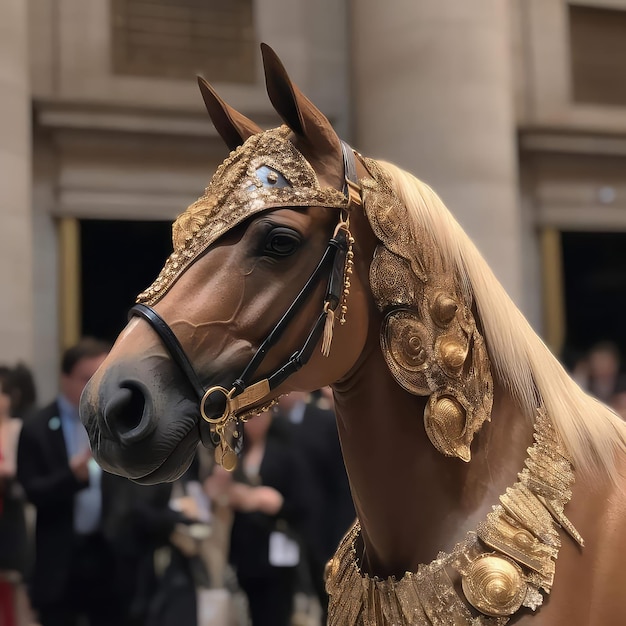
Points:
[119,260]
[595,290]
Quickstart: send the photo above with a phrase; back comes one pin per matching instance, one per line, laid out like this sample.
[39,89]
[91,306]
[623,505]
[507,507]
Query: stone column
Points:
[433,93]
[16,248]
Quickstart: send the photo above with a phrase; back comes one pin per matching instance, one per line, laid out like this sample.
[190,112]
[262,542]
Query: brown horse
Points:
[440,384]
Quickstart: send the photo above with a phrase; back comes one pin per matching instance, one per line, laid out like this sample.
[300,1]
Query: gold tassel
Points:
[327,339]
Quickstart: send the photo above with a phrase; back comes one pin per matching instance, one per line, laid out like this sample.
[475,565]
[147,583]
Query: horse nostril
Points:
[127,414]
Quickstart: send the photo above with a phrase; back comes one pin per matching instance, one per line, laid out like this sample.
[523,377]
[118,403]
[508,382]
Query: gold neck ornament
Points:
[503,565]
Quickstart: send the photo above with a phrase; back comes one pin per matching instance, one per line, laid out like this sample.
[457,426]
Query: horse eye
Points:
[281,242]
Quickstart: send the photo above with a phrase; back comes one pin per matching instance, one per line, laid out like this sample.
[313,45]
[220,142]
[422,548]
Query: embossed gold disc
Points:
[226,456]
[229,460]
[494,585]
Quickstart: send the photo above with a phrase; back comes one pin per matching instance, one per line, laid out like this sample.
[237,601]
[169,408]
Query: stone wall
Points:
[16,267]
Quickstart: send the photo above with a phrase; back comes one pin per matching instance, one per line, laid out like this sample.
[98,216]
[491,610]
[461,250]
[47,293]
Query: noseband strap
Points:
[242,394]
[170,341]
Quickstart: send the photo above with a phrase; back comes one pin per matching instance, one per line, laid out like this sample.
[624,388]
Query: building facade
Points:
[513,110]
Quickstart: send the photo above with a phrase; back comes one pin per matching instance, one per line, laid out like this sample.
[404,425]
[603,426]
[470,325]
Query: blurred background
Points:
[513,110]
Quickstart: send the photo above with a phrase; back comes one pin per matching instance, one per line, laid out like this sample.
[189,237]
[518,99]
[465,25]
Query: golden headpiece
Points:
[266,172]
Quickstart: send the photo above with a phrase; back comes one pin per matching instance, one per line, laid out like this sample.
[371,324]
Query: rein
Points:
[243,394]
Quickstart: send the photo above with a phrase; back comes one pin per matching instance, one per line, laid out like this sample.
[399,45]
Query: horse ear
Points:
[296,110]
[233,127]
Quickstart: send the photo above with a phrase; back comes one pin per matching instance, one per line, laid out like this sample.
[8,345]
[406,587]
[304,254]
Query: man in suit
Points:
[311,423]
[74,566]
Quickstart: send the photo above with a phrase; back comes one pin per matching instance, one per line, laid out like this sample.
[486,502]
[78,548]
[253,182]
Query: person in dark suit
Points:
[137,521]
[265,493]
[74,567]
[311,424]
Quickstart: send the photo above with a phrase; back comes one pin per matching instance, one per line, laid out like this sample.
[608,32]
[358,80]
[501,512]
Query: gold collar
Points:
[503,565]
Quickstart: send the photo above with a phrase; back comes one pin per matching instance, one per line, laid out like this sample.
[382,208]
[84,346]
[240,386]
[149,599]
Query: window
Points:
[598,55]
[180,38]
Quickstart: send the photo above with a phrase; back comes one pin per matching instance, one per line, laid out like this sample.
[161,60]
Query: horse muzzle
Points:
[137,431]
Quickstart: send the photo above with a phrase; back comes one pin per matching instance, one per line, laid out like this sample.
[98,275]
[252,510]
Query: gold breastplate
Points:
[503,566]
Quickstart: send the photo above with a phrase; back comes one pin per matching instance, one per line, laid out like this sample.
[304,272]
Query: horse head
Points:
[232,321]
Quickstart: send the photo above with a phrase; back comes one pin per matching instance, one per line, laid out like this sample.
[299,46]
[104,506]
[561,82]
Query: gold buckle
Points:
[249,396]
[354,194]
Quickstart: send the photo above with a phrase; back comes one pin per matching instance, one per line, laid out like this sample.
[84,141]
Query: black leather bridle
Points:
[242,393]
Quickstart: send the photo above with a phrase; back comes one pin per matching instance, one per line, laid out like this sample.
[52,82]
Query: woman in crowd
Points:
[265,495]
[12,519]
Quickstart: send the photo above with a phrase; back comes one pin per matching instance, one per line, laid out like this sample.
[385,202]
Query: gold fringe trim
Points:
[327,338]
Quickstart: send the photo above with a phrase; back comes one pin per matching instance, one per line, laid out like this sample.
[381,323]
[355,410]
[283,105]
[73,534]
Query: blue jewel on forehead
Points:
[270,178]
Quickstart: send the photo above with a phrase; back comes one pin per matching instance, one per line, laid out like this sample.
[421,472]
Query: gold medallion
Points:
[494,585]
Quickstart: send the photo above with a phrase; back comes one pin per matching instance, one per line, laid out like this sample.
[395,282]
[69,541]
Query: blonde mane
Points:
[591,432]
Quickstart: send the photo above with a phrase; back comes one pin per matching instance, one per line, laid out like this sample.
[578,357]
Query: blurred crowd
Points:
[80,546]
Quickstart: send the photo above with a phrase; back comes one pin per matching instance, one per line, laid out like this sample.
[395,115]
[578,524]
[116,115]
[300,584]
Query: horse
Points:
[474,459]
